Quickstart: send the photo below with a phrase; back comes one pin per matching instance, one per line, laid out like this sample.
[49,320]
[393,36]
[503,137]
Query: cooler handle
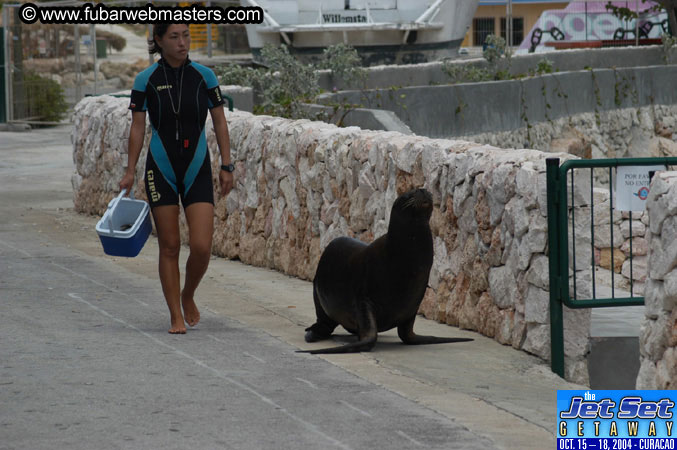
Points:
[110,205]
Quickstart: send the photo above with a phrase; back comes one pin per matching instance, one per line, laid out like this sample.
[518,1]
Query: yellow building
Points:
[490,18]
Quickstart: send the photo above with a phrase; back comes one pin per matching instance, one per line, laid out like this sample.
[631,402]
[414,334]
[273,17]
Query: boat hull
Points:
[394,34]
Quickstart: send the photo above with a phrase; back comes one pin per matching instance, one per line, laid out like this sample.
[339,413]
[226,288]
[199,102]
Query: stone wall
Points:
[623,133]
[300,184]
[625,256]
[658,336]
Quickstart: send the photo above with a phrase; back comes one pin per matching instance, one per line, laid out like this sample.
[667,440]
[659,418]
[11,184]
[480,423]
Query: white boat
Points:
[382,31]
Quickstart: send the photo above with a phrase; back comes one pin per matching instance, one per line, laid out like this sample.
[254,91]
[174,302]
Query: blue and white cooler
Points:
[125,226]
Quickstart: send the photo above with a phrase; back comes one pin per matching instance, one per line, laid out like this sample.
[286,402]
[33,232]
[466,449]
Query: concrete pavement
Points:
[86,356]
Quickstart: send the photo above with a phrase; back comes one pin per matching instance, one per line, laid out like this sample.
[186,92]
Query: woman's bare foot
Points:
[190,311]
[177,326]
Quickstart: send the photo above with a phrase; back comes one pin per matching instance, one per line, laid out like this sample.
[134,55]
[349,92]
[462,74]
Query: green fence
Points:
[561,183]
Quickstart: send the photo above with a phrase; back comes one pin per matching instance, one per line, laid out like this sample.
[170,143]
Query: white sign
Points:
[632,186]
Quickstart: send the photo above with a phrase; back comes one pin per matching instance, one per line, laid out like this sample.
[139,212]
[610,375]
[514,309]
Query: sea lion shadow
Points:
[385,343]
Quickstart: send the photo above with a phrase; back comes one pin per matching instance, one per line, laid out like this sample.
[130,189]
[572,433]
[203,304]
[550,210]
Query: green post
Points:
[101,48]
[556,313]
[229,99]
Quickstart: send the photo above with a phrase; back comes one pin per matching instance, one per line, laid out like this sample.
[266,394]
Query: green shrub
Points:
[45,98]
[286,84]
[464,73]
[345,64]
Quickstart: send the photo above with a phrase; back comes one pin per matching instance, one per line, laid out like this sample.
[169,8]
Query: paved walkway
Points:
[498,396]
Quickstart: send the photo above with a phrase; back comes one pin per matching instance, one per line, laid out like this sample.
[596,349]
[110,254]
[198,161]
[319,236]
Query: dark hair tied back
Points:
[159,29]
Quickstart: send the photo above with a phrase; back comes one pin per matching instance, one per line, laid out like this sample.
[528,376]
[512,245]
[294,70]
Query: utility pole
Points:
[508,24]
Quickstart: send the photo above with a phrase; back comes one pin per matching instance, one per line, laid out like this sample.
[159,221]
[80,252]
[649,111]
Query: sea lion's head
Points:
[416,204]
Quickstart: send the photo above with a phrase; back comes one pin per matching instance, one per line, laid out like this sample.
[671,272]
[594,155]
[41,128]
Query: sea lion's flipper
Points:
[367,333]
[323,327]
[408,337]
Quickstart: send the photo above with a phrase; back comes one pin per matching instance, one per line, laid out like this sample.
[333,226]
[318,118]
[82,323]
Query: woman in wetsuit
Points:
[177,93]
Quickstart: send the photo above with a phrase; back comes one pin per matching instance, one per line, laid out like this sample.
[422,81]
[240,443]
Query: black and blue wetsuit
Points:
[178,163]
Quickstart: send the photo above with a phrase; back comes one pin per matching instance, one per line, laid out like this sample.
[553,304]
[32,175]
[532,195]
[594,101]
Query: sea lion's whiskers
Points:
[410,202]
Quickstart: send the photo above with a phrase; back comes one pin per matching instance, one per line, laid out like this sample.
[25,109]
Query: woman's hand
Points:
[226,182]
[127,182]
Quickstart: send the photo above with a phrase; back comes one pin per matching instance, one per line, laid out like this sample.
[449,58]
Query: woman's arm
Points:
[137,133]
[223,140]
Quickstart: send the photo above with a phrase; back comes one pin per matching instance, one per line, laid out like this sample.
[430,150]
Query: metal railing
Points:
[561,215]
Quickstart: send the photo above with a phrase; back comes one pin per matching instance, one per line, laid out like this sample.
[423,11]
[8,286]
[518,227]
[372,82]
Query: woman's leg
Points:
[200,217]
[167,225]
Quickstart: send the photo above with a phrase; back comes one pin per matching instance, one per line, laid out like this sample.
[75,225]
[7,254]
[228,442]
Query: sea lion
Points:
[377,287]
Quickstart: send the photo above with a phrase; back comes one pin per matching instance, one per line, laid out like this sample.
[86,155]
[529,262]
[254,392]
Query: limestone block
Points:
[580,252]
[504,331]
[653,337]
[360,218]
[503,287]
[542,193]
[493,255]
[467,222]
[576,332]
[458,169]
[605,259]
[515,217]
[441,264]
[537,306]
[670,294]
[663,146]
[603,236]
[460,196]
[662,201]
[538,273]
[538,232]
[666,370]
[510,255]
[380,228]
[638,268]
[646,378]
[405,154]
[278,221]
[576,370]
[287,186]
[537,341]
[525,180]
[582,192]
[654,299]
[663,250]
[336,229]
[501,190]
[582,288]
[638,229]
[519,330]
[640,247]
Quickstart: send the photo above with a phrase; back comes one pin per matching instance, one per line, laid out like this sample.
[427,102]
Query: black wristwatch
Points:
[227,167]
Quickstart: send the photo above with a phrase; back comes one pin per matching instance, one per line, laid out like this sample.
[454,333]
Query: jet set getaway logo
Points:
[615,420]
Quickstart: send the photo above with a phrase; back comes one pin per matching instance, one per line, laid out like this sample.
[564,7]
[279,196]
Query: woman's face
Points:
[175,43]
